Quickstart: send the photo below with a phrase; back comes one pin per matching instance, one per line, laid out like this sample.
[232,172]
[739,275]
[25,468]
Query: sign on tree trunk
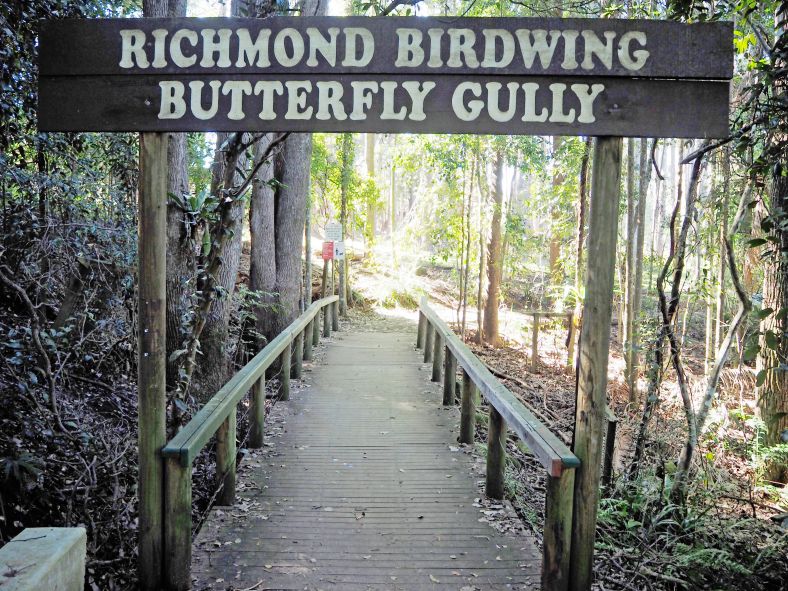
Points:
[360,74]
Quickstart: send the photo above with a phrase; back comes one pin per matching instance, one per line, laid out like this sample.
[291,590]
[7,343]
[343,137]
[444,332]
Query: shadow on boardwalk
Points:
[361,485]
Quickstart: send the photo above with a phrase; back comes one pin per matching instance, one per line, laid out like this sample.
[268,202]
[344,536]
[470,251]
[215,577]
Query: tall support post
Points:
[335,316]
[316,330]
[468,404]
[535,342]
[420,332]
[298,361]
[449,377]
[284,374]
[178,526]
[308,336]
[225,459]
[429,339]
[496,455]
[593,354]
[326,321]
[257,415]
[151,379]
[557,531]
[437,357]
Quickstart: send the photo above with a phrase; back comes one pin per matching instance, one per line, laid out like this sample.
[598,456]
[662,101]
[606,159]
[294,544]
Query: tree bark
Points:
[494,258]
[346,153]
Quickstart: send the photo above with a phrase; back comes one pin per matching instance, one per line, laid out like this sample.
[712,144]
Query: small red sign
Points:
[328,250]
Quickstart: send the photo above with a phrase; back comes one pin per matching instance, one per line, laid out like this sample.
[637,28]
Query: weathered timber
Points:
[610,447]
[335,315]
[316,330]
[178,525]
[437,357]
[449,377]
[225,459]
[284,373]
[593,354]
[496,455]
[626,107]
[327,321]
[558,531]
[257,415]
[535,341]
[69,47]
[308,337]
[468,404]
[151,363]
[298,354]
[547,448]
[429,340]
[420,331]
[360,486]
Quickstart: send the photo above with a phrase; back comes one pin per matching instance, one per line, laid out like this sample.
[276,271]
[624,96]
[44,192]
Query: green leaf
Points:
[765,313]
[756,242]
[761,378]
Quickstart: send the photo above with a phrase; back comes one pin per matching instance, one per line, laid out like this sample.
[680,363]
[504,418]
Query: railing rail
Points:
[218,417]
[444,348]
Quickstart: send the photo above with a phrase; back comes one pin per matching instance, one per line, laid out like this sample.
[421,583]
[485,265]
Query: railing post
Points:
[177,525]
[535,342]
[284,373]
[428,341]
[437,357]
[449,377]
[610,447]
[326,321]
[496,455]
[558,531]
[335,316]
[316,329]
[225,459]
[468,409]
[257,414]
[298,366]
[420,331]
[308,335]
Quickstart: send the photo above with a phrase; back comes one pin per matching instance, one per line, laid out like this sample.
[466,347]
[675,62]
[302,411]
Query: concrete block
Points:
[44,559]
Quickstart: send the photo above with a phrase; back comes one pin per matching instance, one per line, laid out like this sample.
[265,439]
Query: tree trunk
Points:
[369,231]
[494,258]
[346,153]
[772,395]
[554,248]
[480,290]
[629,270]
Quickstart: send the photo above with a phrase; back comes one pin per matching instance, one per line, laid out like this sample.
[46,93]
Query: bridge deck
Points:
[361,487]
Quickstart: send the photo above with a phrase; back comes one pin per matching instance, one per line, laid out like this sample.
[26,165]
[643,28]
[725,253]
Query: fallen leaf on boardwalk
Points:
[434,579]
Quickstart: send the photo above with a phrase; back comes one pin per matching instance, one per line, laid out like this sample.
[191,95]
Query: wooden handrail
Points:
[440,341]
[218,417]
[551,452]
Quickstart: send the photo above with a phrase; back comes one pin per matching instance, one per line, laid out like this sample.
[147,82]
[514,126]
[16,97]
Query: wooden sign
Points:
[387,74]
[328,250]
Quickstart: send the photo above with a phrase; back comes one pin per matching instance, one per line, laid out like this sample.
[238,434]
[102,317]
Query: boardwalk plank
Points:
[363,487]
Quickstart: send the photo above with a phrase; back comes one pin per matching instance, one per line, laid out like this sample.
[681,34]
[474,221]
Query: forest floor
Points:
[733,534]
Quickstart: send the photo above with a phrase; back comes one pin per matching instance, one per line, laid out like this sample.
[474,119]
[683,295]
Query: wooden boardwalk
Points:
[361,486]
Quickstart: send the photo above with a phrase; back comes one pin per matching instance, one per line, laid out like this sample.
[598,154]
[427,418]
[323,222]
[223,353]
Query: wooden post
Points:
[610,446]
[316,330]
[420,332]
[152,354]
[324,280]
[593,354]
[535,342]
[308,336]
[437,357]
[298,365]
[284,373]
[178,526]
[449,377]
[335,316]
[257,414]
[496,455]
[428,342]
[570,343]
[468,405]
[557,531]
[326,321]
[225,459]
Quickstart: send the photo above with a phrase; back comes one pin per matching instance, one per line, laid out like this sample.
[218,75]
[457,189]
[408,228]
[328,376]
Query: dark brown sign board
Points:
[390,74]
